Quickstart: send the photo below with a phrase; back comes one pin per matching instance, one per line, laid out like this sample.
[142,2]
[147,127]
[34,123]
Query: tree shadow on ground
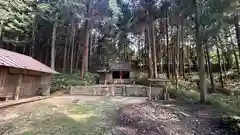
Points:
[168,118]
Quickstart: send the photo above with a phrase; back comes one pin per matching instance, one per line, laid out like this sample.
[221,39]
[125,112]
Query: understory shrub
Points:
[226,104]
[65,80]
[90,78]
[188,92]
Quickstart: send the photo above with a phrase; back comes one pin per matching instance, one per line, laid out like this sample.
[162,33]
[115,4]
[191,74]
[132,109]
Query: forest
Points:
[196,43]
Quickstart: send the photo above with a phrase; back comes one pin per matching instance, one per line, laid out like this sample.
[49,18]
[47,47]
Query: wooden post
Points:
[71,90]
[167,94]
[150,92]
[105,78]
[113,88]
[18,88]
[125,90]
[121,77]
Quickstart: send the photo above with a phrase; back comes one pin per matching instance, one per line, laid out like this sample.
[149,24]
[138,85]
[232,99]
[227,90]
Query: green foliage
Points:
[16,19]
[186,95]
[187,91]
[16,15]
[89,78]
[228,104]
[65,80]
[143,81]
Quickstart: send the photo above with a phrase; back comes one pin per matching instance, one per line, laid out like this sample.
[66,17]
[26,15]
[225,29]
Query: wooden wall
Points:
[30,84]
[46,82]
[107,76]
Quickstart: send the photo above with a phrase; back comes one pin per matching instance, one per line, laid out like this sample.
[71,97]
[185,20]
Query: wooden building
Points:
[118,72]
[22,76]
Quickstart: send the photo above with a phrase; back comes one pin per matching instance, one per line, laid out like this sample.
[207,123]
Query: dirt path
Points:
[74,115]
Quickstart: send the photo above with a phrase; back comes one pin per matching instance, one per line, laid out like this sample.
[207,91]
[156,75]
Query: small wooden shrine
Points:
[117,72]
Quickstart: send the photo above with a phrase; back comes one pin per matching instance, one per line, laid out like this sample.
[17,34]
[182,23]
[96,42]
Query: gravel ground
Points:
[86,115]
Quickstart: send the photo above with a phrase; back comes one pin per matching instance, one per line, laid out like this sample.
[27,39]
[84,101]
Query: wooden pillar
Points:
[105,78]
[18,88]
[121,76]
[150,91]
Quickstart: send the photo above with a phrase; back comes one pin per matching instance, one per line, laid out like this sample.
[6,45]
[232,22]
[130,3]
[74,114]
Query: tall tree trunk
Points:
[182,53]
[78,57]
[174,72]
[234,53]
[1,34]
[145,53]
[150,61]
[86,47]
[224,64]
[237,29]
[206,65]
[222,56]
[221,70]
[125,51]
[143,56]
[68,61]
[46,56]
[72,46]
[164,54]
[139,52]
[155,72]
[176,55]
[40,53]
[181,62]
[160,56]
[228,59]
[189,60]
[24,50]
[210,70]
[200,52]
[34,25]
[236,59]
[54,34]
[167,45]
[90,50]
[65,51]
[203,88]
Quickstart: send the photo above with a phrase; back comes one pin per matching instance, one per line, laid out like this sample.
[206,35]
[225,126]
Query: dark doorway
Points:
[125,75]
[116,74]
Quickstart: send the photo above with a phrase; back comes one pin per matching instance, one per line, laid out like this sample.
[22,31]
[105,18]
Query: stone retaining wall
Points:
[123,90]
